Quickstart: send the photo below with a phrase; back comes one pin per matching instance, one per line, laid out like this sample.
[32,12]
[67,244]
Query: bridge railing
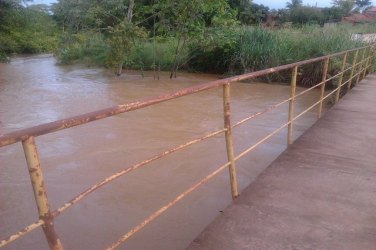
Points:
[348,76]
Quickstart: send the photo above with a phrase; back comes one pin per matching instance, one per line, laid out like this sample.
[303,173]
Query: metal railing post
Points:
[366,66]
[229,141]
[341,76]
[372,56]
[294,75]
[36,177]
[353,69]
[360,69]
[322,89]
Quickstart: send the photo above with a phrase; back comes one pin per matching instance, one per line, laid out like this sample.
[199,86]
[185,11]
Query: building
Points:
[369,16]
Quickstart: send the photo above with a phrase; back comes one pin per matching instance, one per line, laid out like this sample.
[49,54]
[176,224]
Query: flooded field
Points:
[34,90]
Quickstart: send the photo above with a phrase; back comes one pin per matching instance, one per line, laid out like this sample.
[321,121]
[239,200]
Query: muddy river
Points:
[34,90]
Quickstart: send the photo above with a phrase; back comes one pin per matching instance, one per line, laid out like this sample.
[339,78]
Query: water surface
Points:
[34,90]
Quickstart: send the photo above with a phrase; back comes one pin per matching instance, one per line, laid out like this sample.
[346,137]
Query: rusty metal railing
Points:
[362,59]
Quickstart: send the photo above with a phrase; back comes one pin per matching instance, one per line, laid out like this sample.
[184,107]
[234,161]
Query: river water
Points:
[34,90]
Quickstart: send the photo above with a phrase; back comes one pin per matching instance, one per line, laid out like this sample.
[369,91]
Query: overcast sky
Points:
[273,4]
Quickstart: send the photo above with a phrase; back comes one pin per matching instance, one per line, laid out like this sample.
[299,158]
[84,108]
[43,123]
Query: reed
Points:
[231,51]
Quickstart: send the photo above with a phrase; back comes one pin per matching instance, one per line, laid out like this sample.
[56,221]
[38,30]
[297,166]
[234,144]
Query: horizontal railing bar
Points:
[57,212]
[286,124]
[21,233]
[321,83]
[16,136]
[164,208]
[129,169]
[307,110]
[170,204]
[316,103]
[260,113]
[285,101]
[260,142]
[46,128]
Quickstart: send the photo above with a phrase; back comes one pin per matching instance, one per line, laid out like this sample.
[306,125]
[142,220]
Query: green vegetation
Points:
[25,29]
[221,36]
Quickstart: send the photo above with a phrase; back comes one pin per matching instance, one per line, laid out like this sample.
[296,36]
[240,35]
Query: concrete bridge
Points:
[319,194]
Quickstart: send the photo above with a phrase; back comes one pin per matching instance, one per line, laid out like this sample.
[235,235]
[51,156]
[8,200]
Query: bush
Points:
[224,50]
[143,54]
[214,52]
[84,47]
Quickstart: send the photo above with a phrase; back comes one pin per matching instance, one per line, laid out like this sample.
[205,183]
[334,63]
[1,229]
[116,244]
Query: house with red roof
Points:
[369,16]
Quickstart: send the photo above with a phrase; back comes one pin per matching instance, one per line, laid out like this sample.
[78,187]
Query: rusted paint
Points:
[322,90]
[260,113]
[360,66]
[27,138]
[294,75]
[353,67]
[22,232]
[341,77]
[167,206]
[229,140]
[36,177]
[129,169]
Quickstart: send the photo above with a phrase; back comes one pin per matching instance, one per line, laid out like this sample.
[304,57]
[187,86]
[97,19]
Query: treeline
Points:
[26,29]
[210,36]
[221,36]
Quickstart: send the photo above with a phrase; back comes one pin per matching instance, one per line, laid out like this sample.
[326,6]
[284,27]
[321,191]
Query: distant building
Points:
[371,11]
[368,17]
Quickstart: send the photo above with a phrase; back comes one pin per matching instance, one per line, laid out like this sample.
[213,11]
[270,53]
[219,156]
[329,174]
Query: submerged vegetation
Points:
[220,36]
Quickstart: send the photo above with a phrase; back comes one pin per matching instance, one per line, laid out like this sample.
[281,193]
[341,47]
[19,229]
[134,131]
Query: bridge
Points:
[319,194]
[319,191]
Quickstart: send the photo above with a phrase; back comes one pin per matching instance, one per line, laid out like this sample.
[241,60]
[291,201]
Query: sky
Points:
[273,4]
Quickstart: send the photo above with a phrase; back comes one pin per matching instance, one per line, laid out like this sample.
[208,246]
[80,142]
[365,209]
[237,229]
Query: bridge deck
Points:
[319,194]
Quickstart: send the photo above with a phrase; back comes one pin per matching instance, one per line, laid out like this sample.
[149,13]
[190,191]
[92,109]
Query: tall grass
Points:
[259,48]
[239,50]
[160,54]
[255,49]
[85,47]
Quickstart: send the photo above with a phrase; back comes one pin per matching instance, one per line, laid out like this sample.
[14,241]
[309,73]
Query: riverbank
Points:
[230,51]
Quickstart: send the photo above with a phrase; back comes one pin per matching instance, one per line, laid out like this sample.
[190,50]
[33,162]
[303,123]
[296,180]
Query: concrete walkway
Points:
[319,194]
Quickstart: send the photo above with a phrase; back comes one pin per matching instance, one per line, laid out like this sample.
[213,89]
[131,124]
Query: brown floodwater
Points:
[34,90]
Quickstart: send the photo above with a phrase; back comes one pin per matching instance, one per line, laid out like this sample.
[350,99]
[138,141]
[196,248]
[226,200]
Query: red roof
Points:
[372,9]
[360,18]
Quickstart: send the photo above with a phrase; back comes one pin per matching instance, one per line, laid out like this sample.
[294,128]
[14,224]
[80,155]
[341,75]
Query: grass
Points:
[234,51]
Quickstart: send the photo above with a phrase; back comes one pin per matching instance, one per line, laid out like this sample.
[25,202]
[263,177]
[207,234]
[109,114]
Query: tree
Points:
[294,4]
[25,29]
[121,38]
[332,14]
[346,6]
[112,19]
[187,20]
[362,5]
[306,15]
